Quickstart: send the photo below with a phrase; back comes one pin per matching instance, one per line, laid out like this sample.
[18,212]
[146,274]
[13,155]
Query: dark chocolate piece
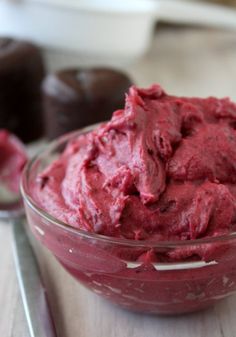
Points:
[74,98]
[21,75]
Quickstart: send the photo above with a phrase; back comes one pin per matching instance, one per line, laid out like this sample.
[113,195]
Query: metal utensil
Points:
[32,291]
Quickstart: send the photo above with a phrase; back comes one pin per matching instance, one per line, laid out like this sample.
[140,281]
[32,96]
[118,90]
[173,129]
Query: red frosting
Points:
[12,160]
[164,168]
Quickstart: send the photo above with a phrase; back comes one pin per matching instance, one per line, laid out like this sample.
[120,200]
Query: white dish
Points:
[101,29]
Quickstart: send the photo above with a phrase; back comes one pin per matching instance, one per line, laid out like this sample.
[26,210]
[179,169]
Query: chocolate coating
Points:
[21,74]
[74,98]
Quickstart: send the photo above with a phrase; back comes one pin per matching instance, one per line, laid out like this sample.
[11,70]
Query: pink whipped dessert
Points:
[163,169]
[12,160]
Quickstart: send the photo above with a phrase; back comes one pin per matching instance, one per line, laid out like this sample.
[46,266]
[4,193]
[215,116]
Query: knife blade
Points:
[33,292]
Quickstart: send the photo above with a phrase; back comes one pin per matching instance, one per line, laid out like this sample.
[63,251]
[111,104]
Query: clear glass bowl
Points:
[113,268]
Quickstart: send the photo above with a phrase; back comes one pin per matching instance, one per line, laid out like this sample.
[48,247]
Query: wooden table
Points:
[184,61]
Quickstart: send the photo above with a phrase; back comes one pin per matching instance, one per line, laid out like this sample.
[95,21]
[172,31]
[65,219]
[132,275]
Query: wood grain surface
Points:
[185,61]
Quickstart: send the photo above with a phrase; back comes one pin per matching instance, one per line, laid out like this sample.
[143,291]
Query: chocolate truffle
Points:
[74,98]
[21,75]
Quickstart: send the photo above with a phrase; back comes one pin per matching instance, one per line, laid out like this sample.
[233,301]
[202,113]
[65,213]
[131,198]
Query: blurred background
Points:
[65,64]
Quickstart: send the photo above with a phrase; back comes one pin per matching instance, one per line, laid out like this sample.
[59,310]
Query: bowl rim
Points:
[28,199]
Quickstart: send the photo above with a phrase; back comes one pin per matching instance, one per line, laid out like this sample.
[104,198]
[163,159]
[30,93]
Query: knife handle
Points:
[33,293]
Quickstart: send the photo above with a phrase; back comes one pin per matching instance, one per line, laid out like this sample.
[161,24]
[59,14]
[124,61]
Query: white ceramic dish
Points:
[100,29]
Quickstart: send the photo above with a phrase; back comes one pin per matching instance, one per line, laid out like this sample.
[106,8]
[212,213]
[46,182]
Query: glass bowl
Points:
[121,270]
